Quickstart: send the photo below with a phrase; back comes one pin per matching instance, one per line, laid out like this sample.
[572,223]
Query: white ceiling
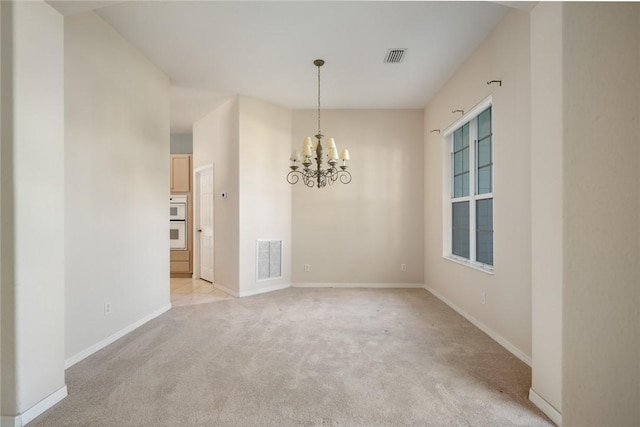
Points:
[265,49]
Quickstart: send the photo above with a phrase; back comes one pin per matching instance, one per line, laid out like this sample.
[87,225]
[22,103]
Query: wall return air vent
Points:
[395,56]
[269,259]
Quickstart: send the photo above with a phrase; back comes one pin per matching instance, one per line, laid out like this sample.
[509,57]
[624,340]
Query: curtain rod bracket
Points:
[495,81]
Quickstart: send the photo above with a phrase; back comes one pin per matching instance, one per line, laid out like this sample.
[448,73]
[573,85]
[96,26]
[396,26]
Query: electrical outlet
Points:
[403,267]
[483,298]
[307,267]
[107,308]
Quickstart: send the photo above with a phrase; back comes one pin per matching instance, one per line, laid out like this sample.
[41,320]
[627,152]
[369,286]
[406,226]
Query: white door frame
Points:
[196,218]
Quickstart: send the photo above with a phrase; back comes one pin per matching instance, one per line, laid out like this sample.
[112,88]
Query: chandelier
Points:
[317,176]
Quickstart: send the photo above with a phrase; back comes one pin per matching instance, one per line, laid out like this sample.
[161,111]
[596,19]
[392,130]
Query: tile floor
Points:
[194,291]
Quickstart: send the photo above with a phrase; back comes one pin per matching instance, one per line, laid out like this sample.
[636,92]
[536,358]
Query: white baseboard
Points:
[545,407]
[484,328]
[264,290]
[110,339]
[356,285]
[225,289]
[31,413]
[36,410]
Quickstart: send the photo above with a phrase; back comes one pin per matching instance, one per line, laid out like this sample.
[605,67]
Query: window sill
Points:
[487,269]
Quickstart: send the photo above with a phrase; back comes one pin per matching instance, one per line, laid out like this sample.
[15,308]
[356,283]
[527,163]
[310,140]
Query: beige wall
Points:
[546,204]
[3,128]
[601,343]
[117,184]
[265,196]
[507,313]
[215,141]
[360,233]
[32,209]
[248,141]
[7,370]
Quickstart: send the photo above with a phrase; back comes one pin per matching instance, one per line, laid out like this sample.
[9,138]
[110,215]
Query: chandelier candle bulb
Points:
[307,147]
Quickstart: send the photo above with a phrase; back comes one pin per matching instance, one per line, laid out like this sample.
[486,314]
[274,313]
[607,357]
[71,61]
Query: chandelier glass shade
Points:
[314,175]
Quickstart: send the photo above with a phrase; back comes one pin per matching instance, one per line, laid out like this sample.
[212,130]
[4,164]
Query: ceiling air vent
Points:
[394,56]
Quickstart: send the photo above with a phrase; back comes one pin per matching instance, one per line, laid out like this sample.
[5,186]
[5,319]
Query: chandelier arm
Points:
[309,182]
[307,178]
[345,177]
[294,176]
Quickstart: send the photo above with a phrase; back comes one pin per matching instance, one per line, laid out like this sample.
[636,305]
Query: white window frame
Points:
[472,198]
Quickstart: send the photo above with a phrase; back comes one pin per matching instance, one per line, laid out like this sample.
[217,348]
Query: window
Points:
[468,203]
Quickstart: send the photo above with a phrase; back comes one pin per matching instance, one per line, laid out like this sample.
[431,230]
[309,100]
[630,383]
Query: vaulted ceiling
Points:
[265,49]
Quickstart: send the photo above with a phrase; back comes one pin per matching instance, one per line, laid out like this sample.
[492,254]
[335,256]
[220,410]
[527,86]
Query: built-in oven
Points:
[178,208]
[178,222]
[178,235]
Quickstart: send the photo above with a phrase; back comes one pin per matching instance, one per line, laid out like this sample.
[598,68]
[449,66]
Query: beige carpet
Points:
[302,357]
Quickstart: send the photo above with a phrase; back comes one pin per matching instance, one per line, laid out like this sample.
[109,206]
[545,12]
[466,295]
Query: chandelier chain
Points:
[319,132]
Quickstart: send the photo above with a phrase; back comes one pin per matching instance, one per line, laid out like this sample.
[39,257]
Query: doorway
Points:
[203,223]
